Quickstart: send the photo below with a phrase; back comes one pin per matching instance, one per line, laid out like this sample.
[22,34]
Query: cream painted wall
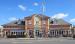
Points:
[37,19]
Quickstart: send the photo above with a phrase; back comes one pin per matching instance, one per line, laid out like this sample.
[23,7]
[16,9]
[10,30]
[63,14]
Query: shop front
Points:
[59,33]
[15,33]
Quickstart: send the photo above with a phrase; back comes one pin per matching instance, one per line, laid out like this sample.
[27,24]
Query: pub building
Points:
[37,25]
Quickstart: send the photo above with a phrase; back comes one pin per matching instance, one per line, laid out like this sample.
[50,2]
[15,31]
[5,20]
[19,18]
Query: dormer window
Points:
[23,22]
[19,22]
[51,22]
[15,22]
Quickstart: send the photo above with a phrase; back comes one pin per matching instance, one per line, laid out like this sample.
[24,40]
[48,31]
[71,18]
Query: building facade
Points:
[37,25]
[1,31]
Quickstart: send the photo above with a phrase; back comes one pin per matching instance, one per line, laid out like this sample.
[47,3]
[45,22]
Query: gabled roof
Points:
[42,16]
[60,22]
[16,21]
[56,21]
[12,23]
[39,15]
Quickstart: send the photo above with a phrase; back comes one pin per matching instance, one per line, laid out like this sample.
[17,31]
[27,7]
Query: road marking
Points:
[21,42]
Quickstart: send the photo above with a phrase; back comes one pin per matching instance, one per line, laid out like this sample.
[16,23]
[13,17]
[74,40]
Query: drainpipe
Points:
[34,33]
[1,27]
[72,31]
[1,32]
[4,33]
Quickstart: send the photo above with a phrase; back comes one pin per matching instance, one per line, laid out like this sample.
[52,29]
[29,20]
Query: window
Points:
[37,22]
[11,32]
[29,22]
[16,33]
[44,22]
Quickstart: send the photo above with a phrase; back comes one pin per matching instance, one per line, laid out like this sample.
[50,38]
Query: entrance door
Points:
[31,34]
[37,33]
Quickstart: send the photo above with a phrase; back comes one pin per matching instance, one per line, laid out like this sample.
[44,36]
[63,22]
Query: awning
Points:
[17,30]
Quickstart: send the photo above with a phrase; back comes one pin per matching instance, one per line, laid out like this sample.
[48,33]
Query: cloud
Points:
[1,27]
[22,7]
[12,19]
[35,4]
[72,20]
[60,15]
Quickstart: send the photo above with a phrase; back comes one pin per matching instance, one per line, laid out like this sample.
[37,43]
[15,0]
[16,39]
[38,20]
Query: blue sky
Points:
[14,9]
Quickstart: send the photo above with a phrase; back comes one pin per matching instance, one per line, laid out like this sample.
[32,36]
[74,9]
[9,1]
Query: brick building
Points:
[37,25]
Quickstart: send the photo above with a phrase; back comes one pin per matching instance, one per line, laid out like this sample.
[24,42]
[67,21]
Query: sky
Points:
[18,9]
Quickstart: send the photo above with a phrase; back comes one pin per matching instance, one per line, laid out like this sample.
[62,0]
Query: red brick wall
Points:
[60,26]
[28,27]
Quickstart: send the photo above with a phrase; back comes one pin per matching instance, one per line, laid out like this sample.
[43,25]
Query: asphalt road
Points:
[38,41]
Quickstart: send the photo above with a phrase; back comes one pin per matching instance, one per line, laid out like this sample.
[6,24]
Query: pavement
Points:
[37,41]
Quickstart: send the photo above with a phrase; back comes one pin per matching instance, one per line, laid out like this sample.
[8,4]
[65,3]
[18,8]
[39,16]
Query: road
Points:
[38,41]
